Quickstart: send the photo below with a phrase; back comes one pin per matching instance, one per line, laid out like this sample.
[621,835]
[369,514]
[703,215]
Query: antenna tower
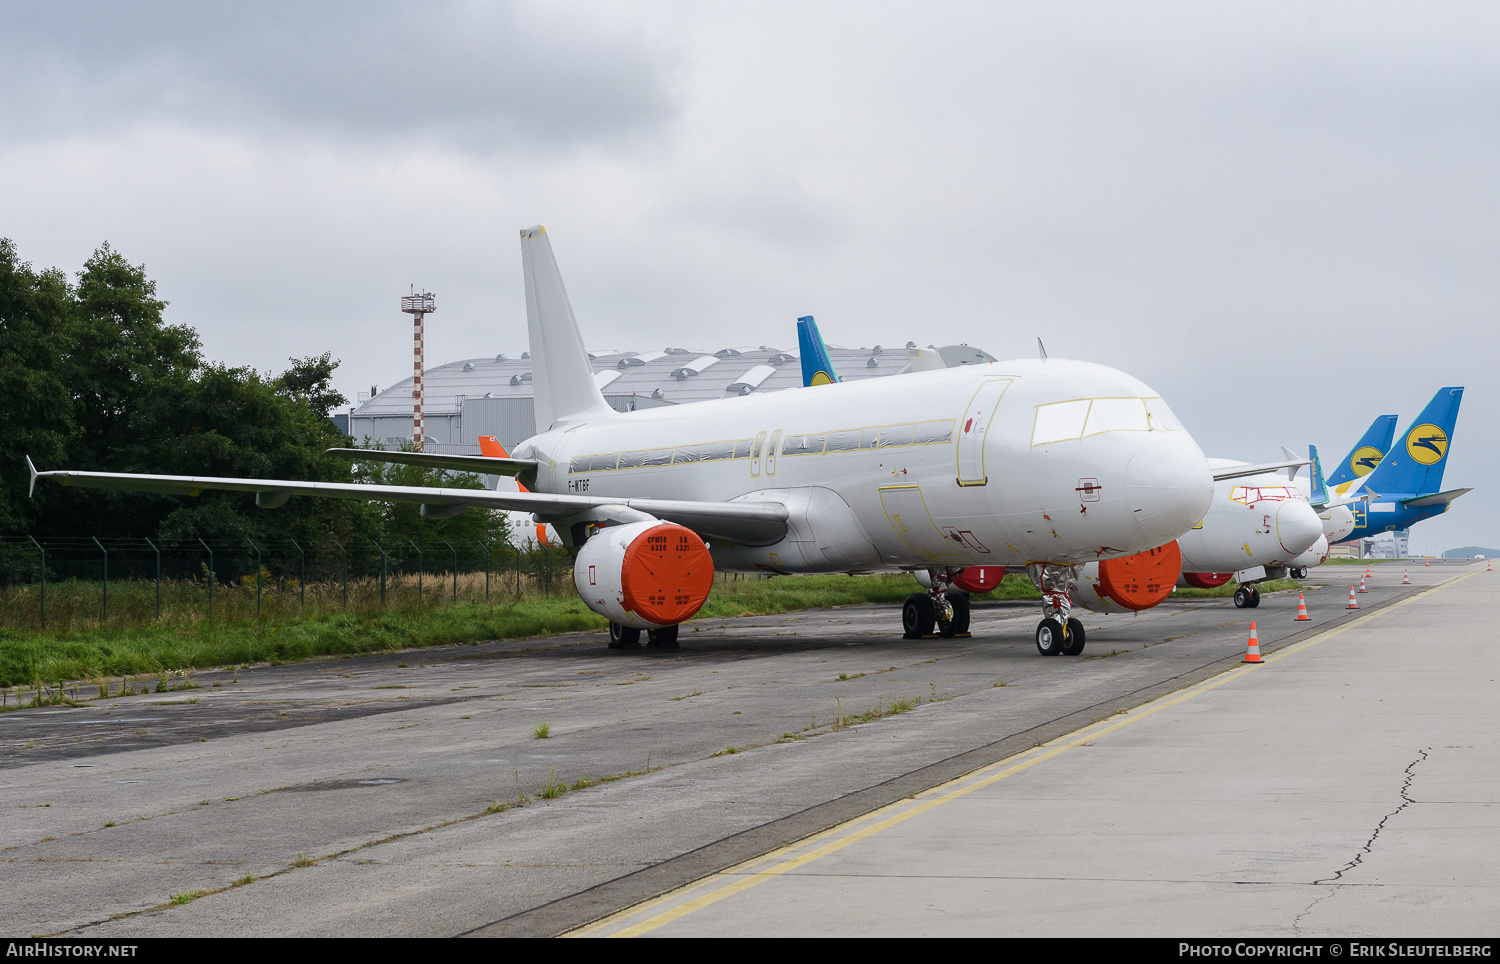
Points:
[417,305]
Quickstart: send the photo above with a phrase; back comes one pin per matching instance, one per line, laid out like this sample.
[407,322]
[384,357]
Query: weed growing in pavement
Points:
[247,879]
[551,790]
[542,730]
[689,696]
[727,751]
[189,896]
[303,860]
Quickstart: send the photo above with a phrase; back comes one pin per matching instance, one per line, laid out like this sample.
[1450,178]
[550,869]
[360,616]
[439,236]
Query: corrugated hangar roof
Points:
[671,376]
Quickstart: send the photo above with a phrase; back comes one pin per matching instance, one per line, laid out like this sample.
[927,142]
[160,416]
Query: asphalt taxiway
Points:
[408,795]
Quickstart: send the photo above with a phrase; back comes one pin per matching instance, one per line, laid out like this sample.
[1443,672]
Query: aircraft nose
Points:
[1297,526]
[1337,521]
[1168,485]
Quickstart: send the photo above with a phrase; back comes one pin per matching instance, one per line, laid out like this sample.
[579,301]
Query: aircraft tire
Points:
[624,637]
[1242,598]
[1049,636]
[1254,598]
[1074,644]
[664,638]
[960,621]
[1299,573]
[918,616]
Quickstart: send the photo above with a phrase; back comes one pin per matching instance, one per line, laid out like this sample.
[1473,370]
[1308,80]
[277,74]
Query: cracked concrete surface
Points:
[1347,788]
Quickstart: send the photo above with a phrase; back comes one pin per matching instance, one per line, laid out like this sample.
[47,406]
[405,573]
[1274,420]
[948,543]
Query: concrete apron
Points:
[1348,786]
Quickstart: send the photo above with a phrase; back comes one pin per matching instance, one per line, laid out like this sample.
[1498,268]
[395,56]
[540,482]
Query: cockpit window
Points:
[1116,415]
[1162,419]
[1251,494]
[1059,421]
[1083,417]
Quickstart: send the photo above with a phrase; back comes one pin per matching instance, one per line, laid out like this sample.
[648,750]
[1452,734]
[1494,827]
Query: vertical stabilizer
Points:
[561,375]
[817,367]
[1318,491]
[1415,463]
[1366,454]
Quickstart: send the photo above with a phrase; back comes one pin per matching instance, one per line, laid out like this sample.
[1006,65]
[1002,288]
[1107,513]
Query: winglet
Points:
[31,489]
[1041,348]
[1318,491]
[1291,472]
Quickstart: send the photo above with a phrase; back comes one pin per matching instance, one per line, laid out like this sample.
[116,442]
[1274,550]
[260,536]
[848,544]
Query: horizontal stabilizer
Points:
[1437,498]
[749,523]
[1241,471]
[481,464]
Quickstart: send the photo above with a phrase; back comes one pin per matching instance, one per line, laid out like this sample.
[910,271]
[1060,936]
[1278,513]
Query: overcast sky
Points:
[1282,217]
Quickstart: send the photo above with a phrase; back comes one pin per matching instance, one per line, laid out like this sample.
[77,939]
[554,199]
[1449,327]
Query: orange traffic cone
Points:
[1405,578]
[1489,567]
[1353,603]
[1429,563]
[1362,584]
[1301,609]
[1252,648]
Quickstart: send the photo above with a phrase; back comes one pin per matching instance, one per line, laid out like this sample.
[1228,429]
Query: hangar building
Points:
[493,396]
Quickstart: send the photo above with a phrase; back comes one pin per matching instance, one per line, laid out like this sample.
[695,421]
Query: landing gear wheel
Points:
[959,624]
[664,638]
[624,637]
[1299,573]
[1242,598]
[1049,636]
[1074,644]
[1254,598]
[918,616]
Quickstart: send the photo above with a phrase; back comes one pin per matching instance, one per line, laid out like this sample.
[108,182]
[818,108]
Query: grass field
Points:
[133,641]
[80,643]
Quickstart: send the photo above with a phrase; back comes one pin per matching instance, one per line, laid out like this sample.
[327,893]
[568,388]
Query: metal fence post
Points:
[158,575]
[210,578]
[106,574]
[44,579]
[257,574]
[455,569]
[419,569]
[486,550]
[345,555]
[301,571]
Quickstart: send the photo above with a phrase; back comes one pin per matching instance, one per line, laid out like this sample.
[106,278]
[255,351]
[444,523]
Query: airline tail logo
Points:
[1427,444]
[1365,458]
[821,378]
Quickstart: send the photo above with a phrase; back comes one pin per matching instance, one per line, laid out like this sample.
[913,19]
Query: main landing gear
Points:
[942,608]
[1246,597]
[628,637]
[1058,633]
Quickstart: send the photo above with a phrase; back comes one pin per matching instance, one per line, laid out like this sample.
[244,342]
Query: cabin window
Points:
[803,445]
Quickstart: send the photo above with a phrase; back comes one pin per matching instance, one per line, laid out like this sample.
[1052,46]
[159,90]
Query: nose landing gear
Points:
[1246,597]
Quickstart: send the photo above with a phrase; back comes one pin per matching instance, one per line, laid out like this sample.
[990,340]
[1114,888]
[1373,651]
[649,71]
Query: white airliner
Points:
[1050,464]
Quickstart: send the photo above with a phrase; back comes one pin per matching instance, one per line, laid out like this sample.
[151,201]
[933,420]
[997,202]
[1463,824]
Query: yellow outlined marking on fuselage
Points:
[797,855]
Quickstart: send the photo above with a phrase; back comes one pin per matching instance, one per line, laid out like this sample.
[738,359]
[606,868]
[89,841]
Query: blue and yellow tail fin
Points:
[1366,454]
[817,367]
[1414,465]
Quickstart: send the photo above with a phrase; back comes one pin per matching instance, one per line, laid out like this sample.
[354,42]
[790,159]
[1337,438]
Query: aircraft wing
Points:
[480,464]
[1437,498]
[1240,471]
[749,523]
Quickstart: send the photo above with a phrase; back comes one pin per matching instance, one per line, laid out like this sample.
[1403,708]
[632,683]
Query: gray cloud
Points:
[479,77]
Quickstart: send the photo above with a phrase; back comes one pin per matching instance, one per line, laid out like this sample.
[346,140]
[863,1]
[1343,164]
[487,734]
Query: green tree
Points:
[37,417]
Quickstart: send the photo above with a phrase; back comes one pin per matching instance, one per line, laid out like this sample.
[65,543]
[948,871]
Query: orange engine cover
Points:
[1141,581]
[1206,580]
[644,574]
[666,574]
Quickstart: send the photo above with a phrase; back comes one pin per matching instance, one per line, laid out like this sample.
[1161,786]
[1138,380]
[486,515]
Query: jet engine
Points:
[1131,582]
[644,575]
